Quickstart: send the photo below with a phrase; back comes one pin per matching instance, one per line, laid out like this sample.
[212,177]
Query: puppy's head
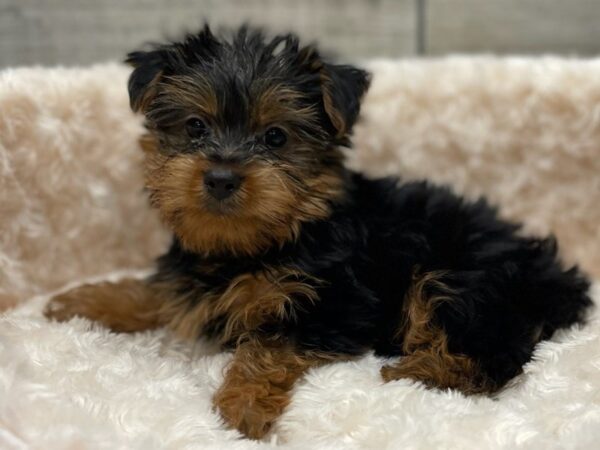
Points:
[243,136]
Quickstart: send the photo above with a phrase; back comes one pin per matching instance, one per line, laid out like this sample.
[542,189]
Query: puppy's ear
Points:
[343,88]
[148,68]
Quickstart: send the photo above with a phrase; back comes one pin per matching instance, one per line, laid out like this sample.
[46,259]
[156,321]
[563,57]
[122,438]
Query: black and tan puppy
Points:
[291,260]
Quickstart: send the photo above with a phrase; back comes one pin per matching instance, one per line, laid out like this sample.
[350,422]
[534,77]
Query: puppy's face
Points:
[243,137]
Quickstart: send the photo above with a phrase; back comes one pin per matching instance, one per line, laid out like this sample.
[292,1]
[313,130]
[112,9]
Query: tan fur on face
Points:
[279,104]
[425,345]
[267,210]
[190,93]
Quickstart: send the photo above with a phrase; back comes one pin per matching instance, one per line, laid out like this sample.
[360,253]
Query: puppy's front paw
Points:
[388,373]
[67,305]
[249,413]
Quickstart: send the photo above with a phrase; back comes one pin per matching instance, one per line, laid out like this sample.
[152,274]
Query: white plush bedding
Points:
[525,132]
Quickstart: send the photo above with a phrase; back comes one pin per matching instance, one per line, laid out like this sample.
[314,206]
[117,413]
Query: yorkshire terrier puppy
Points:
[290,260]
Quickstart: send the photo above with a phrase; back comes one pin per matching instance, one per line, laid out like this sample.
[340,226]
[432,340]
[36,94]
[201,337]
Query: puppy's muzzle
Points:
[221,183]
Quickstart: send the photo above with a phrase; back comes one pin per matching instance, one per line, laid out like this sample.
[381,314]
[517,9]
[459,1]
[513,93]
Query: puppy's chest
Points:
[248,302]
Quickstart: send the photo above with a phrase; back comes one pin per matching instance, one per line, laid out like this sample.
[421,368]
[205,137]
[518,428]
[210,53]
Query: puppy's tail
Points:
[562,294]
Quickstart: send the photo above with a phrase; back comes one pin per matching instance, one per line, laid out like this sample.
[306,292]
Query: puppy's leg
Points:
[126,306]
[257,384]
[435,367]
[427,357]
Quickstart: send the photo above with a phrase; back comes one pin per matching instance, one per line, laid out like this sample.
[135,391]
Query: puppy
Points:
[290,260]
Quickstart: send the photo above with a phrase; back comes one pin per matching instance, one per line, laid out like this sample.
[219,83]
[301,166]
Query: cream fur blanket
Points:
[524,132]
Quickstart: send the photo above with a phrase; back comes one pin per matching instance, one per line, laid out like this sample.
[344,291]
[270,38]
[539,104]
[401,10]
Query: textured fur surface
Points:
[68,144]
[523,132]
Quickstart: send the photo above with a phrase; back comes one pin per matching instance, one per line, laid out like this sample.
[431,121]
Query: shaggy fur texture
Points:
[562,376]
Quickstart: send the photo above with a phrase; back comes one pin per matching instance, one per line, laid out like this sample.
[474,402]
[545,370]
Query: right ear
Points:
[148,69]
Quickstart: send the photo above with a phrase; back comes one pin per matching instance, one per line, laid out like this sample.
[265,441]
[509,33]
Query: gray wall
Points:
[86,31]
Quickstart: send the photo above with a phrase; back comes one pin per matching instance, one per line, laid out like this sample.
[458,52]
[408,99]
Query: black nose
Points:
[221,183]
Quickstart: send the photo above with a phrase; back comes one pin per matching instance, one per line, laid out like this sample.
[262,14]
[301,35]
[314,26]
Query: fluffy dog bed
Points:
[524,132]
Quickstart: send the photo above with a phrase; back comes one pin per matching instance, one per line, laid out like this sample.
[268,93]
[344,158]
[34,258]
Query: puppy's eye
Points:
[195,127]
[275,137]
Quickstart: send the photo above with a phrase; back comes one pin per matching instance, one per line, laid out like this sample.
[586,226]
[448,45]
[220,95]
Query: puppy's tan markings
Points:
[269,208]
[258,381]
[249,301]
[192,93]
[427,357]
[127,306]
[257,385]
[277,104]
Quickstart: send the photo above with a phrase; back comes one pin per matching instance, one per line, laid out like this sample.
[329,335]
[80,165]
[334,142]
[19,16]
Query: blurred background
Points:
[74,32]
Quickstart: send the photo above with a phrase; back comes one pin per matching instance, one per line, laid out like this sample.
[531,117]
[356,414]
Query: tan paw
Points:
[389,373]
[65,306]
[251,416]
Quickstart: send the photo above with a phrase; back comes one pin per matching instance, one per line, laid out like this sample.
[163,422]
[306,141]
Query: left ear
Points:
[343,88]
[148,68]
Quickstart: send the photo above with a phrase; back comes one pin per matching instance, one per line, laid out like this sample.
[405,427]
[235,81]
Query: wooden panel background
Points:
[85,31]
[513,26]
[81,32]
